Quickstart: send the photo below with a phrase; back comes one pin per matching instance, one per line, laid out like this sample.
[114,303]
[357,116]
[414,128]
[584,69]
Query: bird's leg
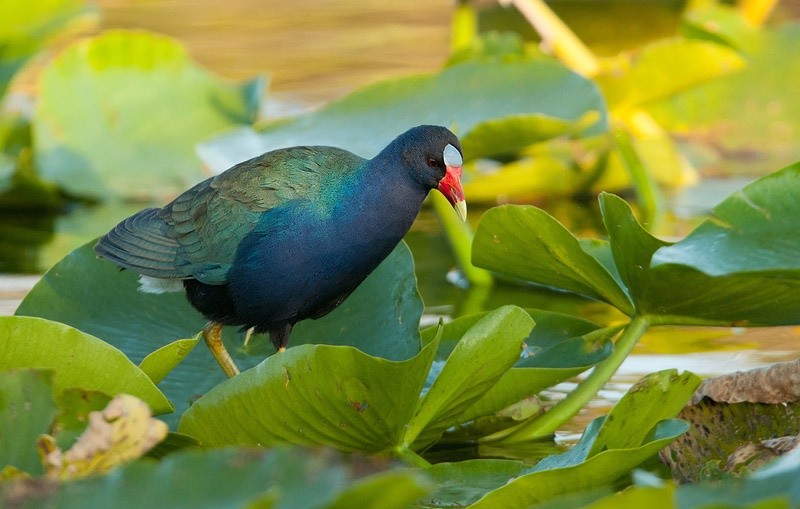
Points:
[280,336]
[212,333]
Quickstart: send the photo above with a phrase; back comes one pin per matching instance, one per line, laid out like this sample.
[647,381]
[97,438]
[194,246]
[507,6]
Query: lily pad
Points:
[313,395]
[25,28]
[381,317]
[683,295]
[119,114]
[462,97]
[76,358]
[558,348]
[746,122]
[754,231]
[480,359]
[527,242]
[340,397]
[664,68]
[26,411]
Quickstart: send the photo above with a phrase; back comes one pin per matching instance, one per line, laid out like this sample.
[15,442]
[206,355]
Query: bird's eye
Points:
[432,163]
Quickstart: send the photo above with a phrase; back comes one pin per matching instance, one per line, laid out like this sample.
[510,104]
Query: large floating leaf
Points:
[311,395]
[25,27]
[528,243]
[341,397]
[381,317]
[755,230]
[461,97]
[748,121]
[77,359]
[26,411]
[751,238]
[677,294]
[664,68]
[122,112]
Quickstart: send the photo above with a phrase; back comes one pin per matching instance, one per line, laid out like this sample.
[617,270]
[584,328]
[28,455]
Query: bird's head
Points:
[434,155]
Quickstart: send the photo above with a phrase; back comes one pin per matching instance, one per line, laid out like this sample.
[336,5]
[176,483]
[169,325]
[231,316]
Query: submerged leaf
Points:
[730,423]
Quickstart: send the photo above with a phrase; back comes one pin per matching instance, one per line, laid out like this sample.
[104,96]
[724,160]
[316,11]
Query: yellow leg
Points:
[212,333]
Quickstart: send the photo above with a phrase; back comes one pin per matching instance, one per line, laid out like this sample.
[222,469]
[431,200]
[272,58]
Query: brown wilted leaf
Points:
[741,420]
[778,383]
[122,432]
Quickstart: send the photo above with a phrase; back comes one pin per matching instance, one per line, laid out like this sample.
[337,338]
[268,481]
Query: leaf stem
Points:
[411,457]
[562,411]
[566,46]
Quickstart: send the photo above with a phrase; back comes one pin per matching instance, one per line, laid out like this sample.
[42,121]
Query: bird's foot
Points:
[279,336]
[212,333]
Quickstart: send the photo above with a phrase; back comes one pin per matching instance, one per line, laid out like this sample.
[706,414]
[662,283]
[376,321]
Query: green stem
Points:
[459,234]
[565,409]
[411,457]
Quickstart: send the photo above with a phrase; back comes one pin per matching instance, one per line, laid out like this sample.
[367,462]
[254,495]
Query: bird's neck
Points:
[384,201]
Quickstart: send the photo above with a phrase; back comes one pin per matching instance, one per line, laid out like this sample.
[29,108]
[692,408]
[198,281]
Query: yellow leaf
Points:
[122,432]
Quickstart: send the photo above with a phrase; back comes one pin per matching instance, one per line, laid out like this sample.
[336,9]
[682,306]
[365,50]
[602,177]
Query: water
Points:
[315,51]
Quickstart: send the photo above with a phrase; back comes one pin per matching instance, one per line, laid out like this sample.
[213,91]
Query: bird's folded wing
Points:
[139,243]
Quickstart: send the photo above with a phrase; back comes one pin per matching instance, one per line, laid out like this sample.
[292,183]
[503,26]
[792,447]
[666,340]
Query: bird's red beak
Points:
[450,185]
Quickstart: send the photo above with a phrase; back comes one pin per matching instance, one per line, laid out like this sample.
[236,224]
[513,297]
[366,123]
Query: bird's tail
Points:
[140,243]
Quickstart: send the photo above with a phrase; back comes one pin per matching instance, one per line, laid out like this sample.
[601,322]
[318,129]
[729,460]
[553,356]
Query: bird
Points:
[287,235]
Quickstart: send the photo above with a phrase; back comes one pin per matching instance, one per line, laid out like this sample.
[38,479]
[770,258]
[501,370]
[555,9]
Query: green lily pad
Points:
[26,411]
[76,358]
[557,349]
[158,364]
[462,97]
[313,395]
[381,318]
[682,295]
[346,399]
[754,231]
[461,483]
[510,134]
[480,359]
[527,242]
[25,28]
[395,489]
[121,113]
